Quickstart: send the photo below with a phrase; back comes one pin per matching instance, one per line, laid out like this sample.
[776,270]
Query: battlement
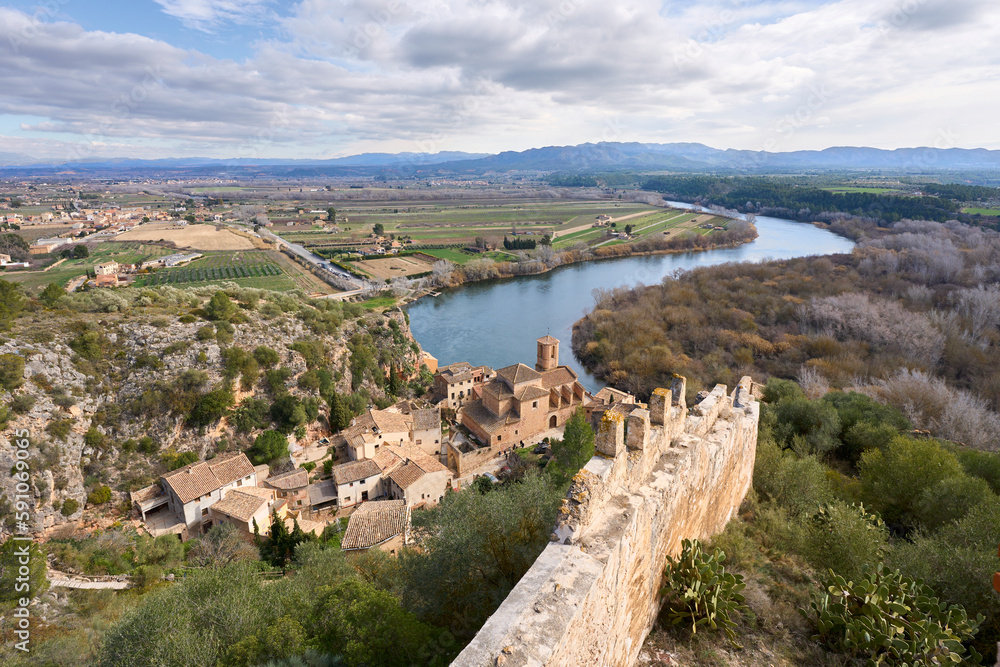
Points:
[660,475]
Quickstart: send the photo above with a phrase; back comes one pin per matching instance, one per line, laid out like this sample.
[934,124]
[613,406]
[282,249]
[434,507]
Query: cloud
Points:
[491,75]
[206,14]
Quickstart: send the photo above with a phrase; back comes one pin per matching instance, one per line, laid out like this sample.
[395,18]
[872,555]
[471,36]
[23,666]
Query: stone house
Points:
[291,487]
[357,482]
[374,429]
[427,430]
[192,490]
[521,403]
[410,474]
[455,384]
[245,506]
[107,269]
[384,524]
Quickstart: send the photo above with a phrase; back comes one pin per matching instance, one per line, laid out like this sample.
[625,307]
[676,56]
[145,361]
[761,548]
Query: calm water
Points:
[496,322]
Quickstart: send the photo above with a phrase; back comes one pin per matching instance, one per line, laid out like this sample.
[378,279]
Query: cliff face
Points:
[137,361]
[594,593]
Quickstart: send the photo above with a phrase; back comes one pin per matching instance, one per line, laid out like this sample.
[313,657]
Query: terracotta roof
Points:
[548,340]
[385,458]
[146,493]
[406,474]
[355,471]
[425,420]
[530,393]
[558,376]
[391,422]
[198,479]
[296,479]
[498,389]
[612,395]
[243,503]
[486,420]
[518,373]
[375,522]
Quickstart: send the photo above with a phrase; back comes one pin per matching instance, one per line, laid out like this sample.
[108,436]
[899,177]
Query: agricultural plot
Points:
[249,269]
[394,267]
[982,211]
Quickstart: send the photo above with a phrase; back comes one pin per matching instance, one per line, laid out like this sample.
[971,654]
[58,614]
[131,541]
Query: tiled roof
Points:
[198,479]
[322,492]
[425,420]
[375,522]
[296,479]
[557,377]
[241,504]
[498,389]
[391,422]
[355,471]
[146,493]
[385,458]
[406,474]
[530,393]
[548,340]
[612,395]
[487,421]
[518,373]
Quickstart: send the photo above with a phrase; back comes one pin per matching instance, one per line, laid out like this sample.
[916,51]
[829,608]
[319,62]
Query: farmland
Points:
[982,211]
[63,272]
[394,267]
[197,237]
[257,269]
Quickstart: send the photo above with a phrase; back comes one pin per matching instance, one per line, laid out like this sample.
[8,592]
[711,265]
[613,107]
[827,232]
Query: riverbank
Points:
[484,269]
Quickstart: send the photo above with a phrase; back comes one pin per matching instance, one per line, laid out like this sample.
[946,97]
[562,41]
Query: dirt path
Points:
[52,266]
[63,580]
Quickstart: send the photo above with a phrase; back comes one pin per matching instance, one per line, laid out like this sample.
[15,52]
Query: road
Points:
[306,255]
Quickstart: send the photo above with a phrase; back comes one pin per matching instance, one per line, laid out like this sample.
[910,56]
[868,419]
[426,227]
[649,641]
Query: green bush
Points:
[174,460]
[99,496]
[22,403]
[60,428]
[949,500]
[845,538]
[808,427]
[266,357]
[893,479]
[11,371]
[984,465]
[268,446]
[309,466]
[799,484]
[891,619]
[699,591]
[69,507]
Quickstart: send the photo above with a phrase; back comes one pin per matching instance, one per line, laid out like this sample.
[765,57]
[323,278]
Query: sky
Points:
[327,78]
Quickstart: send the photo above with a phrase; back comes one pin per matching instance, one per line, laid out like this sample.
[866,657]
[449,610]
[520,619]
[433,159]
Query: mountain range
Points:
[599,157]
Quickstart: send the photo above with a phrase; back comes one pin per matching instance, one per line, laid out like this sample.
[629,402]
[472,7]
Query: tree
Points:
[628,229]
[81,252]
[476,548]
[12,302]
[13,583]
[340,414]
[331,214]
[51,294]
[15,246]
[210,408]
[268,446]
[190,219]
[378,229]
[220,307]
[221,545]
[574,450]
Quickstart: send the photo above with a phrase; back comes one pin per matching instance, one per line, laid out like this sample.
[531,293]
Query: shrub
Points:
[206,333]
[891,619]
[808,427]
[174,460]
[799,484]
[147,445]
[268,446]
[11,371]
[309,466]
[210,408]
[949,500]
[60,428]
[99,496]
[69,507]
[699,591]
[893,479]
[94,438]
[22,403]
[266,357]
[845,538]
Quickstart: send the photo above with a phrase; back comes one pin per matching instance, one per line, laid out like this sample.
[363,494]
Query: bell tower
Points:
[548,353]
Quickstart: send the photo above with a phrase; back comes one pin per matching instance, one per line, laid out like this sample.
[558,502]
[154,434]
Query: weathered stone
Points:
[659,406]
[610,437]
[638,429]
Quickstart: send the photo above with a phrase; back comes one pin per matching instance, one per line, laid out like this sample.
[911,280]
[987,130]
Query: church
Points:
[521,402]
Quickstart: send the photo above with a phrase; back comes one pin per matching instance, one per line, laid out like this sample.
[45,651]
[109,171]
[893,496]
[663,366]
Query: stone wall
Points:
[660,475]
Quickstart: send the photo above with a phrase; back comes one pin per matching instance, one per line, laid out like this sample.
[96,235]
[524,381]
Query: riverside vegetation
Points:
[883,451]
[118,386]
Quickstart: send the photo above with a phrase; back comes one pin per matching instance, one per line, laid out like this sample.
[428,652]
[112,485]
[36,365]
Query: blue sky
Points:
[325,78]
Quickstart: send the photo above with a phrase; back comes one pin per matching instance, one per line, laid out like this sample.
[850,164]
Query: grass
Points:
[451,254]
[379,303]
[123,253]
[982,211]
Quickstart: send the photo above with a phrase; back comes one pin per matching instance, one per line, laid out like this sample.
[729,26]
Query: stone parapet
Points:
[594,593]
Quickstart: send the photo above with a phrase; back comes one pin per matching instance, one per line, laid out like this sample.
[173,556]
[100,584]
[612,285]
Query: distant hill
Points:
[599,157]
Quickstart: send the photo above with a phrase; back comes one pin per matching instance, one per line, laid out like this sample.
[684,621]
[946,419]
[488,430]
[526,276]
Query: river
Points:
[496,322]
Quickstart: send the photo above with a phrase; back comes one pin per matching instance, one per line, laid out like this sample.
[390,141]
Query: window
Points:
[351,484]
[534,405]
[436,441]
[239,482]
[419,442]
[499,438]
[204,512]
[453,395]
[362,482]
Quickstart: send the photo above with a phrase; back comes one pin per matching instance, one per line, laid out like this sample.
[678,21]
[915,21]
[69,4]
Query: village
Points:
[390,462]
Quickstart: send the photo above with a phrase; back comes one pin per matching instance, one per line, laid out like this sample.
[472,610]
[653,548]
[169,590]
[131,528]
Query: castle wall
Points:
[660,476]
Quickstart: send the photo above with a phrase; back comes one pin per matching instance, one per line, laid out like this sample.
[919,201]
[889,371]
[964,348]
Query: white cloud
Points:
[491,75]
[205,14]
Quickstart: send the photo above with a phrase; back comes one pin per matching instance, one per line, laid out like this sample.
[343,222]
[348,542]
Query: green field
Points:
[247,269]
[123,253]
[982,211]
